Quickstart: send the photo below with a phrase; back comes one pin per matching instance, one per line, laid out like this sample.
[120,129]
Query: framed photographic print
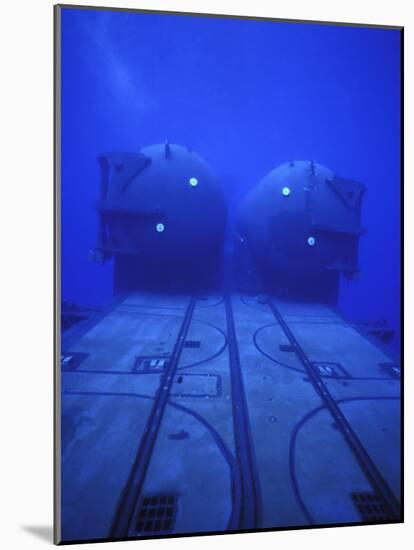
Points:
[228,274]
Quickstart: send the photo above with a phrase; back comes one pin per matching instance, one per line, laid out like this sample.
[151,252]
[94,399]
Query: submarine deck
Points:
[206,414]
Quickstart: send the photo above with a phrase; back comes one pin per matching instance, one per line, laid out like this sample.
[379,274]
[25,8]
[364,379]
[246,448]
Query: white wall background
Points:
[26,303]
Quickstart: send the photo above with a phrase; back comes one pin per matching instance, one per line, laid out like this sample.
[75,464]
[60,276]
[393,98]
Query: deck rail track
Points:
[131,493]
[378,483]
[250,499]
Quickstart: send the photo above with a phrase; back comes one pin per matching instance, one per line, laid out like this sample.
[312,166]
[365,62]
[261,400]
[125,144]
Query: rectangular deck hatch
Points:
[391,369]
[156,514]
[149,364]
[71,360]
[196,385]
[330,369]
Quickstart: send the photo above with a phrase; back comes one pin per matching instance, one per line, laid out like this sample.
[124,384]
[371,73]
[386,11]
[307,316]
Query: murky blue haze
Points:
[247,96]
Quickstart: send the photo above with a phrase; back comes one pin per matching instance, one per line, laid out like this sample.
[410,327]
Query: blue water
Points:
[247,96]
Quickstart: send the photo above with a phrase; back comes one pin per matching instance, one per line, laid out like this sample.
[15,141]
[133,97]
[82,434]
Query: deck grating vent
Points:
[371,507]
[156,514]
[192,344]
[286,347]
